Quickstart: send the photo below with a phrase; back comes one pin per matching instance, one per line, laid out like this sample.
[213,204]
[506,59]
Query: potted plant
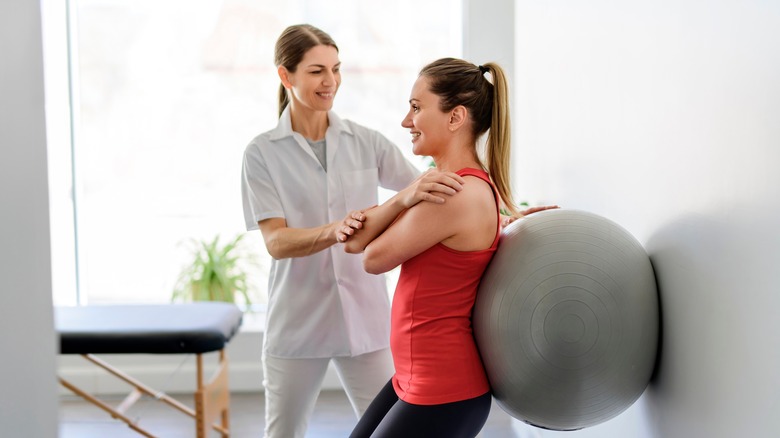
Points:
[215,274]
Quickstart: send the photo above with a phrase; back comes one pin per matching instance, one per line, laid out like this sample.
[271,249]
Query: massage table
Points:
[195,328]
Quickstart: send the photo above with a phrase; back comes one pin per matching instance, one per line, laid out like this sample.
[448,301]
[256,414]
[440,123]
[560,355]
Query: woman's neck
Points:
[310,124]
[457,158]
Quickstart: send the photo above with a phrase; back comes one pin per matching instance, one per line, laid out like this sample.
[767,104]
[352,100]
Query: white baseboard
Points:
[174,373]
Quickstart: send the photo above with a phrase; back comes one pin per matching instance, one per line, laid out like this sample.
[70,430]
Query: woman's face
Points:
[426,122]
[316,78]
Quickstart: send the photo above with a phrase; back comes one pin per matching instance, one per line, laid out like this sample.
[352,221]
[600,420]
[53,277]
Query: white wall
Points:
[665,117]
[488,33]
[28,403]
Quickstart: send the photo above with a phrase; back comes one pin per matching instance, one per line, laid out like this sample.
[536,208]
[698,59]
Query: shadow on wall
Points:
[718,277]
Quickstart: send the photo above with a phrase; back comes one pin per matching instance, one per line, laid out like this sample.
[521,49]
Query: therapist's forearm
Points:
[287,242]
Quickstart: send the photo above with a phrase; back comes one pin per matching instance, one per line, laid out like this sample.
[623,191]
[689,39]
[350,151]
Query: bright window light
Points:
[165,96]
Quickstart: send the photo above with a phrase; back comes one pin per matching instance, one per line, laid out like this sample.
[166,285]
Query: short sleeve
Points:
[395,171]
[259,195]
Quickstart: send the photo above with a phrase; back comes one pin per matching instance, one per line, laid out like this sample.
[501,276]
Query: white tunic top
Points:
[325,304]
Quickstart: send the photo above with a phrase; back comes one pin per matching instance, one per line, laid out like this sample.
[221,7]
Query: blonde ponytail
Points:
[499,141]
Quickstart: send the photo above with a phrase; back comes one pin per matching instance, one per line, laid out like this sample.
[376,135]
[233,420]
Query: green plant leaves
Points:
[215,274]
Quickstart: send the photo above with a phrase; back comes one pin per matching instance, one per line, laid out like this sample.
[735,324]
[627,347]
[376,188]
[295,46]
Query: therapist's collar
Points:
[284,128]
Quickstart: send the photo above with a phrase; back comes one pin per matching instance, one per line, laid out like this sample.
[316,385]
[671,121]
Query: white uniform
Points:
[323,305]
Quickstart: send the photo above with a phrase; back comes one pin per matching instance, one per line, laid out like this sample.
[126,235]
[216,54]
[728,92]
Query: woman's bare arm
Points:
[362,227]
[466,222]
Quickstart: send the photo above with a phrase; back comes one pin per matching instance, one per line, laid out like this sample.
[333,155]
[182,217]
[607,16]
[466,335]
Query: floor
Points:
[332,418]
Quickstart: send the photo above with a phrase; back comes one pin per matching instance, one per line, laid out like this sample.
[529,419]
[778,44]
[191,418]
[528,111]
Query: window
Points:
[146,149]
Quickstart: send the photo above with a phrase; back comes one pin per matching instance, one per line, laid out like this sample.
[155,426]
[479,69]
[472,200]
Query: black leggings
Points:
[390,417]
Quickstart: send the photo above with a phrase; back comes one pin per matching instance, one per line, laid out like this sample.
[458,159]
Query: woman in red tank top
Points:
[440,388]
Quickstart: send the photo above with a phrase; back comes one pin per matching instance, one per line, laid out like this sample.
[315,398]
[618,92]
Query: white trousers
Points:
[292,387]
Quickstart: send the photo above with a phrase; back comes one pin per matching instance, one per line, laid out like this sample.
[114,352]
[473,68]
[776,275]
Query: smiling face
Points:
[426,122]
[316,79]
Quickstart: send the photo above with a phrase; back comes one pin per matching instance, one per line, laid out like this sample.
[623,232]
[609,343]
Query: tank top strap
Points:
[481,174]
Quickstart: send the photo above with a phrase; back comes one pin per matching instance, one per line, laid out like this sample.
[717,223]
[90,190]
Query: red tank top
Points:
[435,355]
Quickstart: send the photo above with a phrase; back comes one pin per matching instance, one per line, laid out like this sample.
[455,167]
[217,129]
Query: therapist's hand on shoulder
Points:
[430,187]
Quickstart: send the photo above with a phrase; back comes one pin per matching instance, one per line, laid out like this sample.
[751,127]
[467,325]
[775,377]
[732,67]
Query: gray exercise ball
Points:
[566,320]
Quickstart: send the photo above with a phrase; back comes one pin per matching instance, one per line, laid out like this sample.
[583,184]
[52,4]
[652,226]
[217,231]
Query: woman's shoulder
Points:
[473,200]
[476,193]
[473,171]
[476,187]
